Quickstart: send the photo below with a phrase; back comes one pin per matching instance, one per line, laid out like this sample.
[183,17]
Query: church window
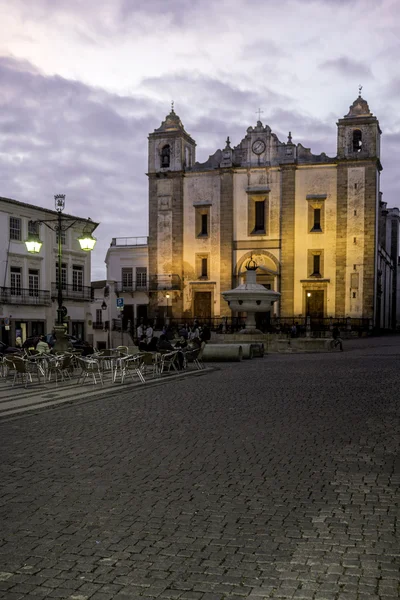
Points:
[357,140]
[259,225]
[204,224]
[202,262]
[204,267]
[202,221]
[315,263]
[317,220]
[165,156]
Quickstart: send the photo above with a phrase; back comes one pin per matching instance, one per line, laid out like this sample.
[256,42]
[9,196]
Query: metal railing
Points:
[103,326]
[130,241]
[73,292]
[120,286]
[17,295]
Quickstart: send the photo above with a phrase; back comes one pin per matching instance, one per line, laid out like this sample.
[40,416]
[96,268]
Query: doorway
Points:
[202,305]
[315,304]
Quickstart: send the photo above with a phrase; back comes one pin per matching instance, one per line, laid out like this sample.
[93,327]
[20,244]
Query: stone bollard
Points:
[222,353]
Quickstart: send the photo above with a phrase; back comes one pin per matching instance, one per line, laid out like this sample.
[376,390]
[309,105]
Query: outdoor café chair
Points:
[130,365]
[90,368]
[150,362]
[23,369]
[169,361]
[195,357]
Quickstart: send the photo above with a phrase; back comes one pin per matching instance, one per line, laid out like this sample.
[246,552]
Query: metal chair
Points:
[169,361]
[195,357]
[22,368]
[90,367]
[130,365]
[151,361]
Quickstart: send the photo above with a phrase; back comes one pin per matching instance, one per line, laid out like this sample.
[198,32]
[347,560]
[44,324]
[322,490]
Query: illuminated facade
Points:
[312,223]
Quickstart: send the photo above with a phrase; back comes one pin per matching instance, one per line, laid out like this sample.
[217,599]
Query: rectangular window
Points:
[77,278]
[141,278]
[259,226]
[33,228]
[202,221]
[33,282]
[316,264]
[15,229]
[99,316]
[317,220]
[204,267]
[16,281]
[63,237]
[63,276]
[127,279]
[204,224]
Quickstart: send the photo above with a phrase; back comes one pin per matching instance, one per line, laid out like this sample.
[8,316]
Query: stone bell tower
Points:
[358,171]
[171,153]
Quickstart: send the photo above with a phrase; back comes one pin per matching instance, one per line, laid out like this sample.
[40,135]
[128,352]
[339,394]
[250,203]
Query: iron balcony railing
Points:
[165,282]
[73,292]
[123,286]
[104,325]
[17,295]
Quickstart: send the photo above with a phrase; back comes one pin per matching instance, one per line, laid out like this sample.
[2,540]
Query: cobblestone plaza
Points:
[272,478]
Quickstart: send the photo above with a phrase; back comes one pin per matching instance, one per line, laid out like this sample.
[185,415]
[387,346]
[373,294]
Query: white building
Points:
[127,282]
[28,283]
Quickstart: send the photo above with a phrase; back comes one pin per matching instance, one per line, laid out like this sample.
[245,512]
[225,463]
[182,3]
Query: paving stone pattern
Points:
[273,478]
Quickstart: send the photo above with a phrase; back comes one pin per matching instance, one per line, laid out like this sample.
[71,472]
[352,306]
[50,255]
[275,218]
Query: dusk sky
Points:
[83,83]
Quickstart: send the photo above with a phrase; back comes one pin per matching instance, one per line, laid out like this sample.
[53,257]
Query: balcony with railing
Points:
[129,286]
[73,292]
[165,282]
[130,241]
[104,325]
[17,295]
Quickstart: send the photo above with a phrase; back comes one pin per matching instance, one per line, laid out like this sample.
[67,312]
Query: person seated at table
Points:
[195,343]
[42,346]
[181,343]
[143,343]
[164,344]
[152,345]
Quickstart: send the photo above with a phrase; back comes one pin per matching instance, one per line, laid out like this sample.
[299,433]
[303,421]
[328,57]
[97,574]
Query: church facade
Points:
[312,223]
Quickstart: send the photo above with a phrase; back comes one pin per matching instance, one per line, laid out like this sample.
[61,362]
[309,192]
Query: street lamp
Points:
[167,317]
[34,244]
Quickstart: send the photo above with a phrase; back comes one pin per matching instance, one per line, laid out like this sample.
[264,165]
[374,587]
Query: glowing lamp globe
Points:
[33,243]
[87,242]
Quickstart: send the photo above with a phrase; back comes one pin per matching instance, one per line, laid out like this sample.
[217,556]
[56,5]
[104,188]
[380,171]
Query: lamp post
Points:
[308,318]
[167,317]
[34,244]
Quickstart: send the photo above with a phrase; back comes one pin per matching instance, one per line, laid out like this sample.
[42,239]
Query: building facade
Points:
[127,284]
[28,292]
[313,224]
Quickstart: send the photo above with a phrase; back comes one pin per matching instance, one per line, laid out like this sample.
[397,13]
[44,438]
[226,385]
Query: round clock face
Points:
[258,147]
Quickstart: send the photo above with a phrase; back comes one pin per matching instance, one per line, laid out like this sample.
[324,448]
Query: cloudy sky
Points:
[83,82]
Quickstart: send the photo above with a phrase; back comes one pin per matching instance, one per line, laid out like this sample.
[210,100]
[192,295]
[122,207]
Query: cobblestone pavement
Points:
[274,478]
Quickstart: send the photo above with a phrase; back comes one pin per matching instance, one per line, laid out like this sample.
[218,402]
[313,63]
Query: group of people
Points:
[186,338]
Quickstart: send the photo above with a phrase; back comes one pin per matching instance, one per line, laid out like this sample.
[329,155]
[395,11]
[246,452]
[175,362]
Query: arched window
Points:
[165,156]
[357,140]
